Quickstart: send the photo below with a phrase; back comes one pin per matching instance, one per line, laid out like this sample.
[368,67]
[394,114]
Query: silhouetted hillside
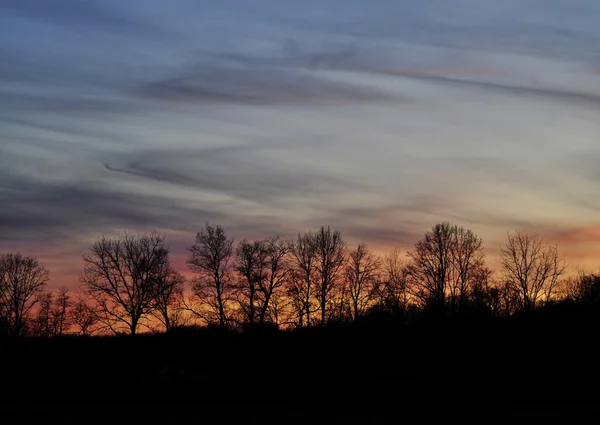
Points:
[454,366]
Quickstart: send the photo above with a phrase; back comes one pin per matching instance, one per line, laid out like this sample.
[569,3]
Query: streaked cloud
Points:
[257,81]
[380,118]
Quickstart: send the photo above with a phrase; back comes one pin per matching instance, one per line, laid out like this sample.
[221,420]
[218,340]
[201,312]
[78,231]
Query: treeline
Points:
[129,285]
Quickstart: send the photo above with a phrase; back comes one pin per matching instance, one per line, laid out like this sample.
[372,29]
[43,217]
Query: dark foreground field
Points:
[512,371]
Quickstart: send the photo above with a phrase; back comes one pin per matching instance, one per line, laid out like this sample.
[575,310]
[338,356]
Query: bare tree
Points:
[340,306]
[210,257]
[121,274]
[22,280]
[281,311]
[330,255]
[445,265]
[508,297]
[302,277]
[468,262]
[277,272]
[52,314]
[83,317]
[483,294]
[41,325]
[583,287]
[60,312]
[263,269]
[531,267]
[494,299]
[362,275]
[251,264]
[168,297]
[431,265]
[393,290]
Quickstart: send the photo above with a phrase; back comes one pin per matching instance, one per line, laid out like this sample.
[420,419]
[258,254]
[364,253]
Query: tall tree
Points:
[168,297]
[431,263]
[281,311]
[41,325]
[301,284]
[251,264]
[60,312]
[445,264]
[531,267]
[468,263]
[209,258]
[262,267]
[275,277]
[52,318]
[483,294]
[393,289]
[83,316]
[330,255]
[22,280]
[362,276]
[582,288]
[122,274]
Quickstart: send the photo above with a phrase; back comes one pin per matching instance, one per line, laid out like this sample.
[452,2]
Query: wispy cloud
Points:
[258,81]
[247,172]
[378,117]
[36,210]
[81,15]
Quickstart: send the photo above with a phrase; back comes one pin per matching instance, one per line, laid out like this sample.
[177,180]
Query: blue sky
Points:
[377,117]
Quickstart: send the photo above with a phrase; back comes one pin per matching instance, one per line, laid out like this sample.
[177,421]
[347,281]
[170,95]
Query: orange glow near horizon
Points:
[580,246]
[152,117]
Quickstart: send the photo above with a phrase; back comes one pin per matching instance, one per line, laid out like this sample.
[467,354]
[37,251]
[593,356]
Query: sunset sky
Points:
[377,117]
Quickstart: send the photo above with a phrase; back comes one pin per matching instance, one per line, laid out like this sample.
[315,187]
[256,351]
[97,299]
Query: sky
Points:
[273,117]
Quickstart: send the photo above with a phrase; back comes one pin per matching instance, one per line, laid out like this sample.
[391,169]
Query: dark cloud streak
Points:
[81,15]
[256,80]
[36,210]
[79,130]
[239,171]
[296,77]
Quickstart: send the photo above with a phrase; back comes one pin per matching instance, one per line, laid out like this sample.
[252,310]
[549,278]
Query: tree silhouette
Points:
[251,264]
[41,325]
[278,270]
[60,313]
[52,318]
[362,277]
[509,295]
[22,280]
[330,251]
[582,288]
[431,262]
[482,295]
[302,278]
[392,292]
[83,317]
[468,263]
[122,275]
[444,265]
[531,267]
[263,269]
[210,257]
[168,297]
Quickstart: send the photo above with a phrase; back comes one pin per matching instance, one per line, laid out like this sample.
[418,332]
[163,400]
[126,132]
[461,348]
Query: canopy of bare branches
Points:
[315,279]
